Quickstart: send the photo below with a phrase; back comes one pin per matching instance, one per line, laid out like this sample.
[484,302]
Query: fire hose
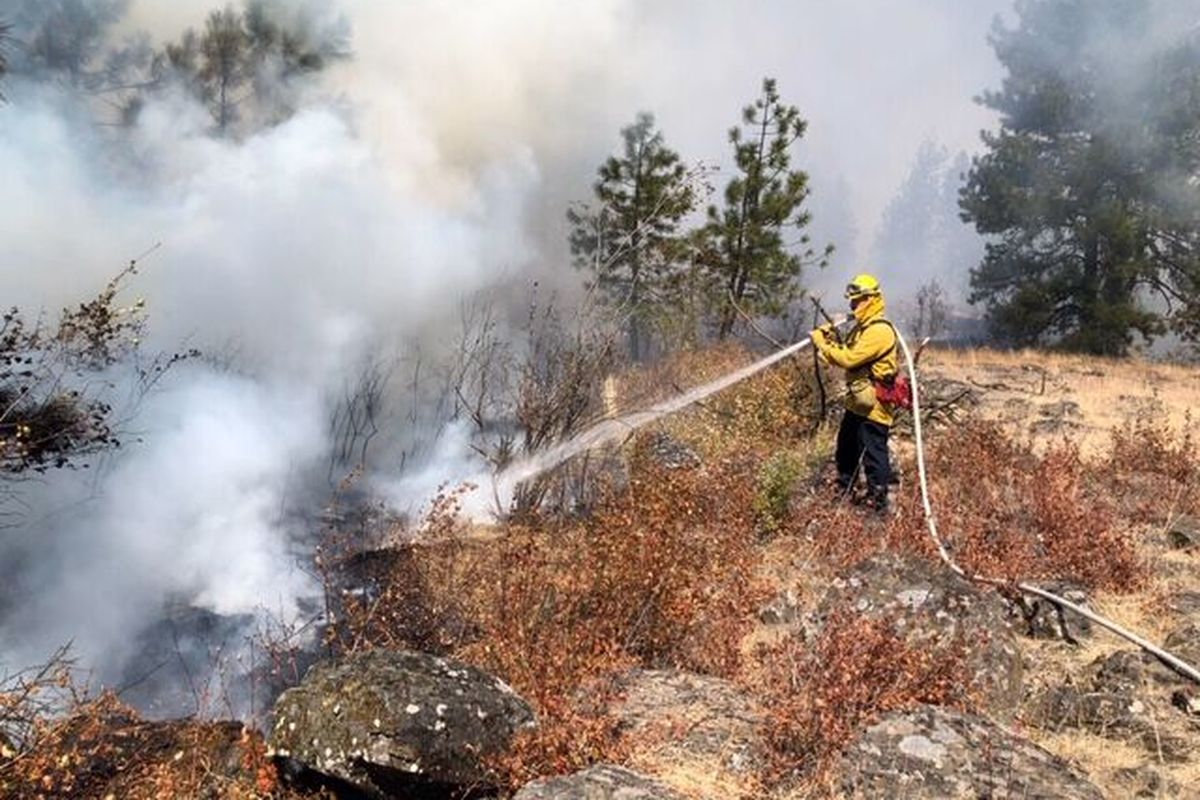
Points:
[1173,661]
[611,429]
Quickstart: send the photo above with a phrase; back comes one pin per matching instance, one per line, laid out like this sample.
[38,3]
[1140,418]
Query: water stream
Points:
[496,490]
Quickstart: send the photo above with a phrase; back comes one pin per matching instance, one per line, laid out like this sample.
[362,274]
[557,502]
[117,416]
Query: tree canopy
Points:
[629,240]
[1087,193]
[244,64]
[760,268]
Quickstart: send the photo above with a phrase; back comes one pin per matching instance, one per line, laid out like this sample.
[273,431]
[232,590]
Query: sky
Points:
[874,78]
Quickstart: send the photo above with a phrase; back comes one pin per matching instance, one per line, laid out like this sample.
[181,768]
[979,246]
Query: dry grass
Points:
[1107,391]
[695,778]
[1131,424]
[669,567]
[1102,759]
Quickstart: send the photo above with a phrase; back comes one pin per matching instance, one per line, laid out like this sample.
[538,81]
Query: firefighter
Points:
[869,356]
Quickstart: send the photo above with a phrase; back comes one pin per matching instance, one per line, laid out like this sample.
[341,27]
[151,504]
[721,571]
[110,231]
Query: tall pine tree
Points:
[628,240]
[243,63]
[759,267]
[1087,193]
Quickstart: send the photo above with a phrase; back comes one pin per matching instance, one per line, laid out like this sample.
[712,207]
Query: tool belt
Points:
[861,396]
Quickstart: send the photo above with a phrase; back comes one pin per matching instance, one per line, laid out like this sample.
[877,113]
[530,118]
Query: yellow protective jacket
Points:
[869,350]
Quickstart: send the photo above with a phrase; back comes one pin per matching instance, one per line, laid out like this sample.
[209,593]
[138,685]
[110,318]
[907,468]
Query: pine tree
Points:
[224,67]
[629,240]
[242,65]
[759,269]
[1087,192]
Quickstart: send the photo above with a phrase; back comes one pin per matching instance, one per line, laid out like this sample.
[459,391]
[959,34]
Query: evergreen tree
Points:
[1087,193]
[629,240]
[224,66]
[759,269]
[64,41]
[242,63]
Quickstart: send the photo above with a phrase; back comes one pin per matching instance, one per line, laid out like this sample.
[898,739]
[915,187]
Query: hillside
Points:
[715,620]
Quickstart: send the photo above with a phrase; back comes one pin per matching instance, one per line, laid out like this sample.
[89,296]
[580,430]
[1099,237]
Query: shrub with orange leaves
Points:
[102,748]
[661,575]
[1152,470]
[820,695]
[1004,511]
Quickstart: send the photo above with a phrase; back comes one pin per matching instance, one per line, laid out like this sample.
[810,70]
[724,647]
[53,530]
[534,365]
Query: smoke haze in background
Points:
[438,161]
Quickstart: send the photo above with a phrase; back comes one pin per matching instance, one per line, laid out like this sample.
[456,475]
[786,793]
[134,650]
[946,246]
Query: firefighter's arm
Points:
[874,342]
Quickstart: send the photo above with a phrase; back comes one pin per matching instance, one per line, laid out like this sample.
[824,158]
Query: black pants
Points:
[861,441]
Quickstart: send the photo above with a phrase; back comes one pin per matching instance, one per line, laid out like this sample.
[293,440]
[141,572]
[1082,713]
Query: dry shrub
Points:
[661,576]
[1153,470]
[409,595]
[770,410]
[845,534]
[1007,512]
[820,695]
[102,748]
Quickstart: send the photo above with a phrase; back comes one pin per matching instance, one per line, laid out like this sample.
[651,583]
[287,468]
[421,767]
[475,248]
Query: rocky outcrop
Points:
[1145,781]
[935,609]
[389,721]
[1185,603]
[601,782]
[937,753]
[784,609]
[703,720]
[1184,642]
[1128,696]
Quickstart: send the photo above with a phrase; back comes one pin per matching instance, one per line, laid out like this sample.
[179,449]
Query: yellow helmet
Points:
[863,285]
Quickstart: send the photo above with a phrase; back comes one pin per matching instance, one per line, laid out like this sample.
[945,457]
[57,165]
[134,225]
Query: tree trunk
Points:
[739,272]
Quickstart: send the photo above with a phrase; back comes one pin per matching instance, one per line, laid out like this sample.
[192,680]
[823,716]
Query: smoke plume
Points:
[433,163]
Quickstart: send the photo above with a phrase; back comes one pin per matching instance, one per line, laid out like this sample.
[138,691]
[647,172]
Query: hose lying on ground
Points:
[1173,661]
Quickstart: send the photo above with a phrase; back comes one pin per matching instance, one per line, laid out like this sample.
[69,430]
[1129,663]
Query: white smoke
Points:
[435,163]
[299,249]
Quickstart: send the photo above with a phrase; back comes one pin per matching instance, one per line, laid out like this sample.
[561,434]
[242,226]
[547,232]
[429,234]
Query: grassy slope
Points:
[671,567]
[1026,392]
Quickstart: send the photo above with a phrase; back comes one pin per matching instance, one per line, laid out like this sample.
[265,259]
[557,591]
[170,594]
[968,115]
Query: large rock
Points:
[601,782]
[390,721]
[935,609]
[937,753]
[707,722]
